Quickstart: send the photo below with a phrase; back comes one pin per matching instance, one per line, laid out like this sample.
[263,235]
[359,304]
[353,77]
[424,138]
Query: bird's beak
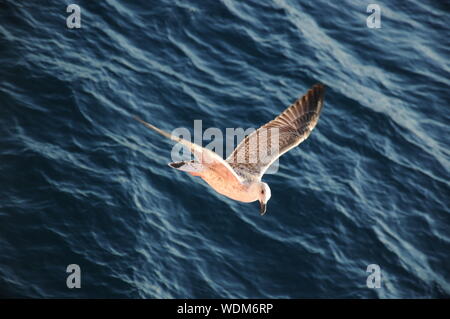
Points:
[263,207]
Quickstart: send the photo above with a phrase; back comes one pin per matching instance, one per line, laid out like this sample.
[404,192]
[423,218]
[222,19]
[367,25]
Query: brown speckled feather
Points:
[260,149]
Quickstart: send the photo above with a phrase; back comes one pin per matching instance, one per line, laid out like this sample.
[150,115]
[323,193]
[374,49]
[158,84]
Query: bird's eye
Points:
[262,192]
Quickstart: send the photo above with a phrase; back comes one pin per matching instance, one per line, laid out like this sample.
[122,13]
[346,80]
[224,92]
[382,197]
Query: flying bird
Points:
[239,176]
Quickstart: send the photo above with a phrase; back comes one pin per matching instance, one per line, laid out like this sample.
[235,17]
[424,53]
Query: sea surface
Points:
[82,182]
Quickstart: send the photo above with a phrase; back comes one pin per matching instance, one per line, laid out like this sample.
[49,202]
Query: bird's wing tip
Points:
[137,118]
[319,86]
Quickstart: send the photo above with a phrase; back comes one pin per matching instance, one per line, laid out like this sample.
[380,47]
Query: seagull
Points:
[239,176]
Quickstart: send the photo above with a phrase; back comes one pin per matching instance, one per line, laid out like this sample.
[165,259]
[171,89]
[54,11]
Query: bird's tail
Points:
[190,167]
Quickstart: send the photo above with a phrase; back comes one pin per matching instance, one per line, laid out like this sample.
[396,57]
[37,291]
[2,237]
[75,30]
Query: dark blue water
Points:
[83,183]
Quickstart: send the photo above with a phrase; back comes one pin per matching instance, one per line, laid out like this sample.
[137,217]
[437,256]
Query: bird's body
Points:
[230,187]
[239,176]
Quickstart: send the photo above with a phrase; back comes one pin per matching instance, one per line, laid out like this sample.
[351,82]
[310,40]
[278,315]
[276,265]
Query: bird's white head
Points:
[262,193]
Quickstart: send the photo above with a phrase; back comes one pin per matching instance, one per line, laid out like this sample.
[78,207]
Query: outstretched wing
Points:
[254,155]
[203,155]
